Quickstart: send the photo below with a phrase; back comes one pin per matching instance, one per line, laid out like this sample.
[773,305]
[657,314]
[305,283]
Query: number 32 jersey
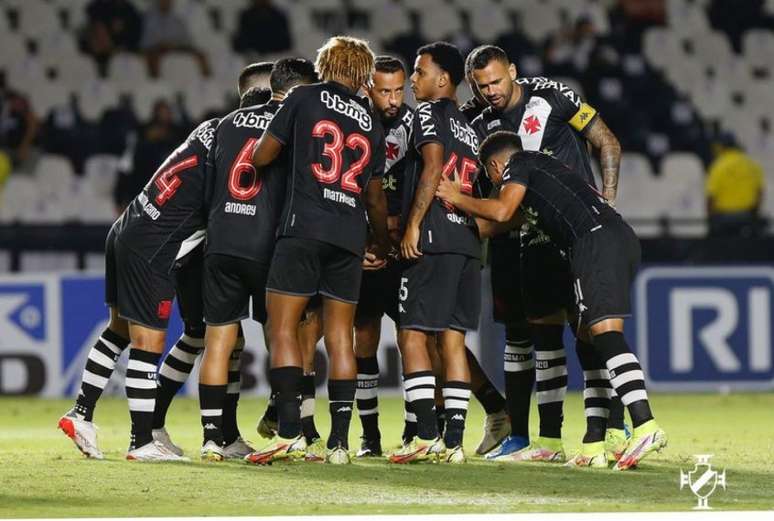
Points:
[335,146]
[243,207]
[170,209]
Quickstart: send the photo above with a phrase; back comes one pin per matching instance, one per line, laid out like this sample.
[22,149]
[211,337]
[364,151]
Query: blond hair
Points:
[345,58]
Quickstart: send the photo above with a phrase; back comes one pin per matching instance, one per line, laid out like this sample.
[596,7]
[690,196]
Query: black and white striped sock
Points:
[308,392]
[551,378]
[626,375]
[141,393]
[175,368]
[596,392]
[519,367]
[99,367]
[420,390]
[231,400]
[456,397]
[367,396]
[409,418]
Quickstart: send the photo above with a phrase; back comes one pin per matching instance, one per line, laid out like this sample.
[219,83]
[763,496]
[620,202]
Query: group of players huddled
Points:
[328,202]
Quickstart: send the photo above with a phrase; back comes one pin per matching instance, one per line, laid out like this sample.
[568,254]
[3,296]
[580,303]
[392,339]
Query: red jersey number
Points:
[167,180]
[333,151]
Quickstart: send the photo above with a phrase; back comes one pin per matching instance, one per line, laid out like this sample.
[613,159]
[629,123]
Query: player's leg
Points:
[219,343]
[496,424]
[310,331]
[367,333]
[456,392]
[236,447]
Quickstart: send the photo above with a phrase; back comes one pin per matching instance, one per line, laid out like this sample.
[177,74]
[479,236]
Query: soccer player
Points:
[243,213]
[603,252]
[440,290]
[255,75]
[336,148]
[551,118]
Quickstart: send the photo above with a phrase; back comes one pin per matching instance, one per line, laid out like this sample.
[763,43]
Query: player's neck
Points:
[515,97]
[344,84]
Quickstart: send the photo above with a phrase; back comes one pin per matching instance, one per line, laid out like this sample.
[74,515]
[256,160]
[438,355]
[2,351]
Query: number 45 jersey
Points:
[166,219]
[335,146]
[244,207]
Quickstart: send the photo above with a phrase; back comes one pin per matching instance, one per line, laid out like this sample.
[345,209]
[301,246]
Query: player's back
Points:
[170,208]
[243,207]
[336,145]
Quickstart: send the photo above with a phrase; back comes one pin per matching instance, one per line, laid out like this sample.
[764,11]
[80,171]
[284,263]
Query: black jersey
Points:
[549,118]
[243,208]
[170,209]
[397,140]
[472,108]
[557,201]
[335,145]
[445,229]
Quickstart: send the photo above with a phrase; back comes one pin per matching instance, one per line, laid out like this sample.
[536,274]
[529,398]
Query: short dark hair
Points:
[254,96]
[252,73]
[482,55]
[289,72]
[447,57]
[389,64]
[496,143]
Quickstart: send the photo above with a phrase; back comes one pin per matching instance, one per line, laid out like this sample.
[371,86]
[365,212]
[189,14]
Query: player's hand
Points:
[409,245]
[448,189]
[372,263]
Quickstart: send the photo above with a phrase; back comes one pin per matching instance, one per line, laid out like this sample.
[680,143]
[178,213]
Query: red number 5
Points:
[333,151]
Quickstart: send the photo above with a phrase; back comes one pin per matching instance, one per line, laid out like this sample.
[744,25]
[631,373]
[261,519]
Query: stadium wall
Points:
[694,328]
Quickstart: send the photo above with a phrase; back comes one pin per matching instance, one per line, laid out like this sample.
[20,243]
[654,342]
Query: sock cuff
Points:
[211,388]
[115,339]
[369,365]
[341,390]
[195,344]
[144,356]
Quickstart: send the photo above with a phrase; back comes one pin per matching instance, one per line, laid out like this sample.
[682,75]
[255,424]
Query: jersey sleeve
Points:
[570,107]
[427,125]
[515,172]
[281,126]
[210,173]
[379,157]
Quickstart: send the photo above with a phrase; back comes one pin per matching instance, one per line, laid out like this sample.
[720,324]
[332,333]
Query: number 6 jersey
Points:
[169,212]
[335,146]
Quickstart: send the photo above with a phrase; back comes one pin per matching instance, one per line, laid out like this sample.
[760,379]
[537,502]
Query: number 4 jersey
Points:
[335,146]
[243,207]
[165,220]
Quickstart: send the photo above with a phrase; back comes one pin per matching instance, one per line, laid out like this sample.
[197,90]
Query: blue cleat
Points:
[509,445]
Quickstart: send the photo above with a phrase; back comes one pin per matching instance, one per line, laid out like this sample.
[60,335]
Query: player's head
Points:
[255,75]
[388,89]
[438,69]
[469,75]
[346,60]
[254,96]
[289,72]
[493,75]
[495,151]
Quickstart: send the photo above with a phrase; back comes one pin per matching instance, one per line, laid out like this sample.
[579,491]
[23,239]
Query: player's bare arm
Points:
[432,159]
[266,150]
[500,210]
[602,138]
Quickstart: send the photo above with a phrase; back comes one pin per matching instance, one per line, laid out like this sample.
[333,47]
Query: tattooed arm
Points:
[601,137]
[432,158]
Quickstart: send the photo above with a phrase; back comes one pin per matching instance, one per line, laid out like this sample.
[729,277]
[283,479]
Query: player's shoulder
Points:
[551,89]
[406,115]
[204,133]
[254,116]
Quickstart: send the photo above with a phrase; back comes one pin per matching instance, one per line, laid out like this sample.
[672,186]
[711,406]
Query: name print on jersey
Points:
[425,111]
[351,109]
[566,91]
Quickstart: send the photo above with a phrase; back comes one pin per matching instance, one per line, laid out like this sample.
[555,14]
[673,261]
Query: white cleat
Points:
[455,455]
[237,449]
[83,434]
[337,456]
[153,451]
[211,451]
[497,426]
[162,436]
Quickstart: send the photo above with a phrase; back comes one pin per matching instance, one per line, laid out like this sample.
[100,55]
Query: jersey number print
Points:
[333,151]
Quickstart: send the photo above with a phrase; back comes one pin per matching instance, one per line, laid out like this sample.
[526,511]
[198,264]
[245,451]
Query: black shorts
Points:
[229,283]
[379,294]
[439,292]
[306,267]
[545,276]
[140,293]
[507,298]
[189,274]
[604,264]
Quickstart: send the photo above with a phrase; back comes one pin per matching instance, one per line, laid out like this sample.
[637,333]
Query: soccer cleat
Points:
[370,449]
[544,449]
[591,455]
[153,451]
[211,451]
[279,449]
[497,427]
[455,455]
[162,436]
[615,443]
[509,445]
[83,434]
[316,451]
[267,428]
[337,456]
[421,450]
[647,438]
[237,449]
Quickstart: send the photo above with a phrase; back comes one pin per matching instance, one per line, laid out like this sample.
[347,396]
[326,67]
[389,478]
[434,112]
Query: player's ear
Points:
[443,79]
[512,71]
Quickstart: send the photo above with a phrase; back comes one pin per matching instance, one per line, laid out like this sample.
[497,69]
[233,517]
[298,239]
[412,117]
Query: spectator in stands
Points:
[165,31]
[734,191]
[569,50]
[263,29]
[18,127]
[406,44]
[112,26]
[515,44]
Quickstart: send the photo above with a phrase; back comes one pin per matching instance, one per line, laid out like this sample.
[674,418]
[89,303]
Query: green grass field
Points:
[43,475]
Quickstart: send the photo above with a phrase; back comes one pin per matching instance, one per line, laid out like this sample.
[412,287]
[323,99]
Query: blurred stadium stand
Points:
[669,76]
